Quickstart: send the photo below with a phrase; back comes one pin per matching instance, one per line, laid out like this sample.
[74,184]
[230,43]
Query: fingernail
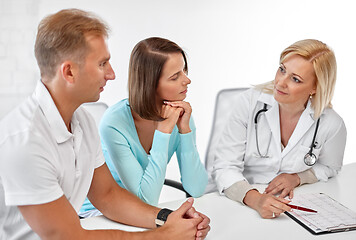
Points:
[199,234]
[196,215]
[190,200]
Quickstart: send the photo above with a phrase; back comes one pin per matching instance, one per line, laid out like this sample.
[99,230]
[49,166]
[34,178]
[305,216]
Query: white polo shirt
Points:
[40,160]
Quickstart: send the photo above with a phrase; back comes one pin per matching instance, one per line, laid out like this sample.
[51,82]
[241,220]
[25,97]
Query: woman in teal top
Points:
[140,134]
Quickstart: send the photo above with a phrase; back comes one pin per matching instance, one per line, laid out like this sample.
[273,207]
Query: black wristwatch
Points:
[162,216]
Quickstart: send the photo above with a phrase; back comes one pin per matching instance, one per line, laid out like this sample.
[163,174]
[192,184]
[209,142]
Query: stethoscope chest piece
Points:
[310,159]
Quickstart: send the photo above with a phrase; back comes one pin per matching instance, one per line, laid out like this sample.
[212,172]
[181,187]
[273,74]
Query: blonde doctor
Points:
[283,133]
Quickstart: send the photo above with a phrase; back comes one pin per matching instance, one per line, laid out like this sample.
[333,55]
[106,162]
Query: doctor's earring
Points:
[311,96]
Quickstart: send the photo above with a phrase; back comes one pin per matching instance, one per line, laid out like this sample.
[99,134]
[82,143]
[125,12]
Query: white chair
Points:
[96,109]
[224,103]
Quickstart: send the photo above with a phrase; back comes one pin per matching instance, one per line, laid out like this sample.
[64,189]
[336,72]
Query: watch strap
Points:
[162,216]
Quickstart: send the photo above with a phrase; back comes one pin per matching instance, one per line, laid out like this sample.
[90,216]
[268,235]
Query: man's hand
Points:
[203,226]
[186,223]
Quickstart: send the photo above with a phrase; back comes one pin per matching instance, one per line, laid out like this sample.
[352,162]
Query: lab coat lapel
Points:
[272,116]
[306,120]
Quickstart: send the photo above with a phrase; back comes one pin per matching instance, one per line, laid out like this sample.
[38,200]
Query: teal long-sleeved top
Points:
[141,173]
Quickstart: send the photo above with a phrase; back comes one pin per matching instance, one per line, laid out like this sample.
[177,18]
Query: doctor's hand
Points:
[283,184]
[171,115]
[183,120]
[268,206]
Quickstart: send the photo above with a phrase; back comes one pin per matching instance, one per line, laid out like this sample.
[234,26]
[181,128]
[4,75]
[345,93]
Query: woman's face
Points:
[173,83]
[294,82]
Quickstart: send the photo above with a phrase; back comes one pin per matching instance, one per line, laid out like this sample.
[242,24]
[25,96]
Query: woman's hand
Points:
[183,120]
[267,205]
[171,115]
[283,184]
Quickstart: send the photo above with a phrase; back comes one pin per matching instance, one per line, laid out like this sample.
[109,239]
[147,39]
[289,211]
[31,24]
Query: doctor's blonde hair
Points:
[324,63]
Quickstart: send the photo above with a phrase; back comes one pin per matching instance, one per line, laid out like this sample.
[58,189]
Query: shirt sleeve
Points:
[308,176]
[193,174]
[238,190]
[146,182]
[332,153]
[28,176]
[99,159]
[228,161]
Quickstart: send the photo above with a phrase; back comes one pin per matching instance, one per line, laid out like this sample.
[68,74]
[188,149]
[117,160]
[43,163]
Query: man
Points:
[51,157]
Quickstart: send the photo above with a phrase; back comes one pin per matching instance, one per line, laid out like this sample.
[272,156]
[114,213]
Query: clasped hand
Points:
[186,223]
[175,113]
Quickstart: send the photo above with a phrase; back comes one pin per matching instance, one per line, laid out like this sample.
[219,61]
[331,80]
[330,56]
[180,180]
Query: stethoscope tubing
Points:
[309,155]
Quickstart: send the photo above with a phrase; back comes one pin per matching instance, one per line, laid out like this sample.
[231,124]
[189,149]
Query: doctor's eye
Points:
[282,69]
[296,80]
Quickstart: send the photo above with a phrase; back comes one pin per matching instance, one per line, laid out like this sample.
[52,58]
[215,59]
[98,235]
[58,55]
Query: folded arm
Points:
[146,183]
[193,174]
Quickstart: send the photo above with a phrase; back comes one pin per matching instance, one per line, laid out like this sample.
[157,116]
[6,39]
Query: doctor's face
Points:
[294,82]
[173,82]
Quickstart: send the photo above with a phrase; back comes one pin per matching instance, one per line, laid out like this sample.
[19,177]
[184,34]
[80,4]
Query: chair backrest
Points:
[96,109]
[224,104]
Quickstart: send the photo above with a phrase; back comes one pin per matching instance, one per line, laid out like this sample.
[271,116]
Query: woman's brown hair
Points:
[146,63]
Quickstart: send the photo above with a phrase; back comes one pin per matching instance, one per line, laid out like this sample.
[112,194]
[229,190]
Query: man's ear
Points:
[68,70]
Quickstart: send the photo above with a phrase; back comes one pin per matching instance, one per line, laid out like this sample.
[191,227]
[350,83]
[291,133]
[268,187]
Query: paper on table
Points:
[332,216]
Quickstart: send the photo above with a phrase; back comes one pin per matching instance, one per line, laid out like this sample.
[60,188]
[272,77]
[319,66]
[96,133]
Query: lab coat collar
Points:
[266,98]
[305,122]
[272,115]
[52,114]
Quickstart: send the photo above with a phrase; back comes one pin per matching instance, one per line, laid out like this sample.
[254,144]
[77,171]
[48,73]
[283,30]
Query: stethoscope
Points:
[309,158]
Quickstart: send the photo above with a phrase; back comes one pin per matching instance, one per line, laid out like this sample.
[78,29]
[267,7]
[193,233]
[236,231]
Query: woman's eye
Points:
[102,64]
[174,77]
[281,69]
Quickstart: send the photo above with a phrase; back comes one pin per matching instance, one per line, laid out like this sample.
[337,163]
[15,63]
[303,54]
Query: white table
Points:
[231,220]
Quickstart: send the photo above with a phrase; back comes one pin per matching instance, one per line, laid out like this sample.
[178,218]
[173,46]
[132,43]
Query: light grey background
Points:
[231,43]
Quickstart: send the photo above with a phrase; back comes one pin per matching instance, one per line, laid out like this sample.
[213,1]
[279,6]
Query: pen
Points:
[302,208]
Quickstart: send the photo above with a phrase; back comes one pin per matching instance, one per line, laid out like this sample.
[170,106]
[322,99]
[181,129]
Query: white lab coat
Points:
[237,158]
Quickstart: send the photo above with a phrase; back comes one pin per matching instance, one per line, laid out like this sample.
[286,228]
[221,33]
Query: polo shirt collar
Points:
[52,114]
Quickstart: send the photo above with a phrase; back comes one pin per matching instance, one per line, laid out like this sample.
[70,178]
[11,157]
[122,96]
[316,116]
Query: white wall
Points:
[229,43]
[18,72]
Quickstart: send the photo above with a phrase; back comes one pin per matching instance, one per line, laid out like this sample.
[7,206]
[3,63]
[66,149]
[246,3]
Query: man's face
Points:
[95,71]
